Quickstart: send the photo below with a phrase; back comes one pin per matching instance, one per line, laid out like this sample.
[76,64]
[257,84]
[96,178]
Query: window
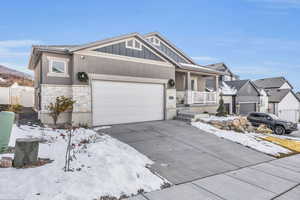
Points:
[58,67]
[154,41]
[133,44]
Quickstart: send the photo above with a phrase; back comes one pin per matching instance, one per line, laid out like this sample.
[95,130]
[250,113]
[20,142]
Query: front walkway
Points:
[277,179]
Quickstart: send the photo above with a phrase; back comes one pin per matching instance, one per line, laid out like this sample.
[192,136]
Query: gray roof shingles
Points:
[276,95]
[266,83]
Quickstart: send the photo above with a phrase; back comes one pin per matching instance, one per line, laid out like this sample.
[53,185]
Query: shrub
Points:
[16,108]
[221,112]
[61,104]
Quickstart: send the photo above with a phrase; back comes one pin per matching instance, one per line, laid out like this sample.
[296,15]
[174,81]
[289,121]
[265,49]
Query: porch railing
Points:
[204,97]
[196,97]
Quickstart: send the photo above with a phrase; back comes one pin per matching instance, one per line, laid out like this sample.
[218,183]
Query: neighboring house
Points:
[283,102]
[227,76]
[131,79]
[13,93]
[242,97]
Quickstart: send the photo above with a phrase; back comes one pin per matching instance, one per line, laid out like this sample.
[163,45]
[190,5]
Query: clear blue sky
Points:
[255,38]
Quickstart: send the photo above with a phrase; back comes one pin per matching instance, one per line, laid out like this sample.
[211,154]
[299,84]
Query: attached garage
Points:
[246,108]
[116,102]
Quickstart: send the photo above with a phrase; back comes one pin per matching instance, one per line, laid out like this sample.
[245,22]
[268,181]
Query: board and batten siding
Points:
[288,108]
[120,49]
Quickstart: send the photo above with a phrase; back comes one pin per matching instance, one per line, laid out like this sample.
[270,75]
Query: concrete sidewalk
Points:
[277,179]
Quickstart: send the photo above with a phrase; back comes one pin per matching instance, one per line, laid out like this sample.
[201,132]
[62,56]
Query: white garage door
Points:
[126,102]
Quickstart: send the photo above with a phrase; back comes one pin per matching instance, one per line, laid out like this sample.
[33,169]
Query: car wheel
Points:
[279,130]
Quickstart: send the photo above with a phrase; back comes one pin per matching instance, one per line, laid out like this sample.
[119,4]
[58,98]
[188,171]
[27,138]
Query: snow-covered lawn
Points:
[216,118]
[252,140]
[105,166]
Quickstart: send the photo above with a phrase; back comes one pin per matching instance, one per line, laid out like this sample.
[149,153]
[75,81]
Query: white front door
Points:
[126,102]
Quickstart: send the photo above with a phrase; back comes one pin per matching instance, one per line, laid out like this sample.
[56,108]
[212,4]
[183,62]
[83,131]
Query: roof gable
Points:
[106,42]
[168,48]
[240,84]
[121,48]
[276,95]
[220,67]
[272,83]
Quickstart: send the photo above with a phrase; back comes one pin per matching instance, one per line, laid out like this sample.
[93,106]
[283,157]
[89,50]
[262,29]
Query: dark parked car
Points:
[278,126]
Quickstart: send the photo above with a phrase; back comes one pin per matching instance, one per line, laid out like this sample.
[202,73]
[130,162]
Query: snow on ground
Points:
[105,166]
[252,140]
[101,128]
[216,118]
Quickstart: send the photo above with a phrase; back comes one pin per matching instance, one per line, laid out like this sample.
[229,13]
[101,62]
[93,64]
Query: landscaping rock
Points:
[26,152]
[264,129]
[6,162]
[241,125]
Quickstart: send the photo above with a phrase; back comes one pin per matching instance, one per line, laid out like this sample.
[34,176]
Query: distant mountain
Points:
[9,76]
[6,70]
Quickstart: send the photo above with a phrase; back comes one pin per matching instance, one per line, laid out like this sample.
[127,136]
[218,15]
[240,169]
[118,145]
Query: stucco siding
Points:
[180,81]
[46,79]
[110,66]
[37,74]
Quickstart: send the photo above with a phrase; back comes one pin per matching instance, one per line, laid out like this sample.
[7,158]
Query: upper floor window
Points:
[58,67]
[154,41]
[133,44]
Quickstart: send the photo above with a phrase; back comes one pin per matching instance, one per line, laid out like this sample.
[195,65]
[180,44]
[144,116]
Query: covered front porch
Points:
[196,88]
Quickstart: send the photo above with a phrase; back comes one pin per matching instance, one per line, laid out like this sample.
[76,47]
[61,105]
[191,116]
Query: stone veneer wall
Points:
[48,95]
[81,110]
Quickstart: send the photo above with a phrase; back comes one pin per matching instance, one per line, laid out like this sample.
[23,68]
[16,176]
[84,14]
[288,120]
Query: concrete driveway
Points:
[182,153]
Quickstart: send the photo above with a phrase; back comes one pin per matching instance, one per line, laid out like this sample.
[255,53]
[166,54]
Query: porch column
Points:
[217,89]
[188,96]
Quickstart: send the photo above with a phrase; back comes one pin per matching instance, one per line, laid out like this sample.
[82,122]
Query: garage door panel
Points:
[246,108]
[124,102]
